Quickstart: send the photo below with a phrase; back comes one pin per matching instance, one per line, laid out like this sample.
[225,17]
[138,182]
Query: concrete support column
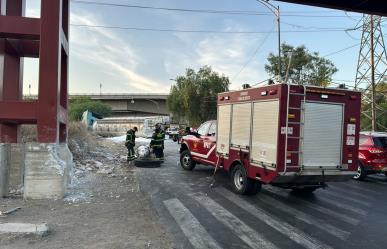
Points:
[5,154]
[45,171]
[16,171]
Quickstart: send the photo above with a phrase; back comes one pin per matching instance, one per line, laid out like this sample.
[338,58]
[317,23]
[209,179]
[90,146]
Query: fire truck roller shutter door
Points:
[265,132]
[224,125]
[240,127]
[323,135]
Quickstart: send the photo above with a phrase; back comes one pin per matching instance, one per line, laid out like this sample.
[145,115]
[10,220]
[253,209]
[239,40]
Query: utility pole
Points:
[371,69]
[276,11]
[279,42]
[100,89]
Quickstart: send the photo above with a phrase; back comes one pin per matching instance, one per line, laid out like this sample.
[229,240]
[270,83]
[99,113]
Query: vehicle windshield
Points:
[203,129]
[380,142]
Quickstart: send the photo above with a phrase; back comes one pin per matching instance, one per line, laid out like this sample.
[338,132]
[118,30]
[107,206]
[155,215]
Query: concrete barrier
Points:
[24,228]
[46,167]
[16,168]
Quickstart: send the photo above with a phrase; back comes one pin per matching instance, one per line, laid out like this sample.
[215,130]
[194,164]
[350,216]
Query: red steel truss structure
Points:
[45,38]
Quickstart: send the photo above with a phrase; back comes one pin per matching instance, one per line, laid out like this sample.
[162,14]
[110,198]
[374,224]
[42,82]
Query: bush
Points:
[81,104]
[80,140]
[29,133]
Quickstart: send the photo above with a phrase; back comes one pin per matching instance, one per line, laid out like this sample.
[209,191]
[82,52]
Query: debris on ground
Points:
[10,211]
[103,190]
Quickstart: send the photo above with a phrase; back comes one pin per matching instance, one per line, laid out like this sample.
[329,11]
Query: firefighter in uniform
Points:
[157,142]
[130,142]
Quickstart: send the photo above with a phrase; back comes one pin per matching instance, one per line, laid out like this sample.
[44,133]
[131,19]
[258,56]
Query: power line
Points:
[252,57]
[311,27]
[210,11]
[204,31]
[341,50]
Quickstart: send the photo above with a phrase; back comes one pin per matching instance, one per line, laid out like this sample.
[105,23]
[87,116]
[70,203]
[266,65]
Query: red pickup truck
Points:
[199,146]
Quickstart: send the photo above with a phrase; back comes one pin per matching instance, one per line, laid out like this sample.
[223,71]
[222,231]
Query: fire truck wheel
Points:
[186,161]
[242,184]
[361,174]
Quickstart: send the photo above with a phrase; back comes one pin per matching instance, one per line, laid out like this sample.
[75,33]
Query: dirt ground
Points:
[104,208]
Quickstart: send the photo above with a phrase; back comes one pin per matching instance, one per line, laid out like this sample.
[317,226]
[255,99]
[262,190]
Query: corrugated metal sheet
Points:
[223,135]
[322,135]
[241,122]
[265,132]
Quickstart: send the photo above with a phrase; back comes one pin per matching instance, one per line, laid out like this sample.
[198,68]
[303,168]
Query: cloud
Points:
[225,53]
[107,51]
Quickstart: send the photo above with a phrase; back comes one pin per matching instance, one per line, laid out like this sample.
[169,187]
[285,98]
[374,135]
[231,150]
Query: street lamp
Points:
[276,11]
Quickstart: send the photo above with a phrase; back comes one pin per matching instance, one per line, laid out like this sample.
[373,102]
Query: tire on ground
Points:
[186,161]
[242,184]
[361,173]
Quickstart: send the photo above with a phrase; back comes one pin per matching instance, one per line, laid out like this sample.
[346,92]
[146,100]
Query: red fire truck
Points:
[291,136]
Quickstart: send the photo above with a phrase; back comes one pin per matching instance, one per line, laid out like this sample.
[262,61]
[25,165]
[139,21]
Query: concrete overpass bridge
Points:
[132,105]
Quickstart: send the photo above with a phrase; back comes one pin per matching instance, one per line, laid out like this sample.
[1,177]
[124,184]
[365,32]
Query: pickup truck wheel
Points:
[242,184]
[186,161]
[361,174]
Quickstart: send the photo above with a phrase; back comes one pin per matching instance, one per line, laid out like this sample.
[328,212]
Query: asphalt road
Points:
[344,215]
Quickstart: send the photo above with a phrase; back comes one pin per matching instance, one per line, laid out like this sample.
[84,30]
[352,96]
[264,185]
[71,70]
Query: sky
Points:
[132,61]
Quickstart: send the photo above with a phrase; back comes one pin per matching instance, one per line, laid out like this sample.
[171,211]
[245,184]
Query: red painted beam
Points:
[14,7]
[10,82]
[11,79]
[22,112]
[22,48]
[19,27]
[50,70]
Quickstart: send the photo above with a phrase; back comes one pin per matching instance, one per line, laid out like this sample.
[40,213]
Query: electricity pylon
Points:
[371,68]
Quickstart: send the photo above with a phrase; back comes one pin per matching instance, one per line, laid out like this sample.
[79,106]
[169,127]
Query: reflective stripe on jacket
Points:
[158,139]
[130,137]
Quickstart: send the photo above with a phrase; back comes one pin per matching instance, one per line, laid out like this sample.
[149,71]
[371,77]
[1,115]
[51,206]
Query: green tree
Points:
[79,105]
[193,97]
[381,110]
[306,68]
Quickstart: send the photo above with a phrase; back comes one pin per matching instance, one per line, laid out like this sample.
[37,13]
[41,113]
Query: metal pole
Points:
[287,70]
[276,12]
[373,93]
[279,43]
